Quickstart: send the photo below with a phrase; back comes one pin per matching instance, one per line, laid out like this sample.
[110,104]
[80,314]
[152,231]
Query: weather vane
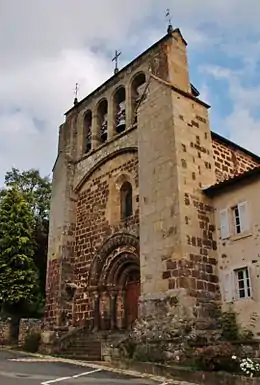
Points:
[76,91]
[169,19]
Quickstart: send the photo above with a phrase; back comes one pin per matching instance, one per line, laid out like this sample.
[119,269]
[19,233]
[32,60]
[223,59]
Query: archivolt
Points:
[121,248]
[102,161]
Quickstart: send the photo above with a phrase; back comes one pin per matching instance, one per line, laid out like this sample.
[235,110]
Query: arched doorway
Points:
[127,284]
[115,276]
[132,294]
[121,278]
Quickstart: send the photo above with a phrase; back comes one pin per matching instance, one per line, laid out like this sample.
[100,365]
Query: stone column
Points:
[96,311]
[95,134]
[124,320]
[128,106]
[113,320]
[107,314]
[110,119]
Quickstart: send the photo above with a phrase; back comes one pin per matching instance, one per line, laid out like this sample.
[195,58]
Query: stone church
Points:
[133,214]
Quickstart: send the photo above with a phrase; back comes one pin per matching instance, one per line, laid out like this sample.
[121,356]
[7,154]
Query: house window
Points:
[239,224]
[236,284]
[243,283]
[126,195]
[240,220]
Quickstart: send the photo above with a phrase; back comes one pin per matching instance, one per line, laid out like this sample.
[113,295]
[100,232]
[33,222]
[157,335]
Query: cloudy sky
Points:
[47,46]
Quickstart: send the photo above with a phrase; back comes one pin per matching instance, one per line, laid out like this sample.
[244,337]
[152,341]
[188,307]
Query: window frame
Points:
[234,220]
[126,192]
[247,283]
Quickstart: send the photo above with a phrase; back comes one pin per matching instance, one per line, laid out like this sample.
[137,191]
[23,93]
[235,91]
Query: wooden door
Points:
[132,297]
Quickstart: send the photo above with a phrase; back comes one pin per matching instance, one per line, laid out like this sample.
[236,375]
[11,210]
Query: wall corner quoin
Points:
[176,48]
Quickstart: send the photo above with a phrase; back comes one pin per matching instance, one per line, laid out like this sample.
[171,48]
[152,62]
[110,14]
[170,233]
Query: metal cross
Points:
[115,59]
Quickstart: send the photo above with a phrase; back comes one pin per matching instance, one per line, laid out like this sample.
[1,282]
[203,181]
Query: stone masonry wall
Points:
[5,331]
[230,161]
[178,246]
[98,218]
[28,325]
[197,260]
[62,214]
[52,290]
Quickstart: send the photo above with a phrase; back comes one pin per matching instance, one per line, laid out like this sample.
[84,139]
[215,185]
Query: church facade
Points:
[133,219]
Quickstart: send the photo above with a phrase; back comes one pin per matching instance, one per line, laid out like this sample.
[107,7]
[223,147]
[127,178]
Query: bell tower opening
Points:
[120,114]
[137,89]
[87,131]
[102,112]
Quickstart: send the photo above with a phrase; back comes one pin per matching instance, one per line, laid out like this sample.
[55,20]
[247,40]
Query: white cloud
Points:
[45,49]
[242,125]
[244,128]
[41,91]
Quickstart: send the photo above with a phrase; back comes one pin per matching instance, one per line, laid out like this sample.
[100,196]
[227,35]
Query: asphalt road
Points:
[18,369]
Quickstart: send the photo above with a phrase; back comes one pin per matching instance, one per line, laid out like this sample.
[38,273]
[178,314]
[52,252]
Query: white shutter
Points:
[252,275]
[228,287]
[224,224]
[243,216]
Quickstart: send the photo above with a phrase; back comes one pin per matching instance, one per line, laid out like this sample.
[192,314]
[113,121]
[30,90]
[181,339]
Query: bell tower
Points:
[177,246]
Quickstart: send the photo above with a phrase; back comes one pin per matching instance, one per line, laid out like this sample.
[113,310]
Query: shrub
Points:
[231,330]
[32,342]
[149,353]
[216,357]
[229,326]
[127,348]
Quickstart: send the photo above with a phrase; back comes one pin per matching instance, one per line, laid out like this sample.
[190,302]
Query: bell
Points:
[140,91]
[120,117]
[88,140]
[104,124]
[103,129]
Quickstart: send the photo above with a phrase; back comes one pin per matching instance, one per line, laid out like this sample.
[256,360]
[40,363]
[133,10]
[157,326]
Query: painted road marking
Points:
[86,373]
[69,378]
[34,359]
[56,380]
[132,373]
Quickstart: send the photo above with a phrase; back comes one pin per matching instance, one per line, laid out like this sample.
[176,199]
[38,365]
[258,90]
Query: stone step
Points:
[81,346]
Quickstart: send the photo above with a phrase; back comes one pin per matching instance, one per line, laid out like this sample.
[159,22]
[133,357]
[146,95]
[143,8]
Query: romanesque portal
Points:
[114,283]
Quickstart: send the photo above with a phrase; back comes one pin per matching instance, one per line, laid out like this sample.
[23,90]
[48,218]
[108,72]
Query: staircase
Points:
[80,344]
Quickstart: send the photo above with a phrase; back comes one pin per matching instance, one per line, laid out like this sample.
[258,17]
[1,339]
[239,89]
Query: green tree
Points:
[19,278]
[37,193]
[37,190]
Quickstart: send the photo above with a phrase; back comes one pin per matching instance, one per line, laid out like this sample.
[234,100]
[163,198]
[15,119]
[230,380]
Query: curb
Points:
[105,367]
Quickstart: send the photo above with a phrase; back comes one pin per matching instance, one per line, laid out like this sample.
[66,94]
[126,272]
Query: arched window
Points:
[137,90]
[119,108]
[87,131]
[102,120]
[126,195]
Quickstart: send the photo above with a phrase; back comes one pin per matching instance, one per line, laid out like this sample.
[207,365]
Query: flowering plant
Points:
[215,357]
[248,366]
